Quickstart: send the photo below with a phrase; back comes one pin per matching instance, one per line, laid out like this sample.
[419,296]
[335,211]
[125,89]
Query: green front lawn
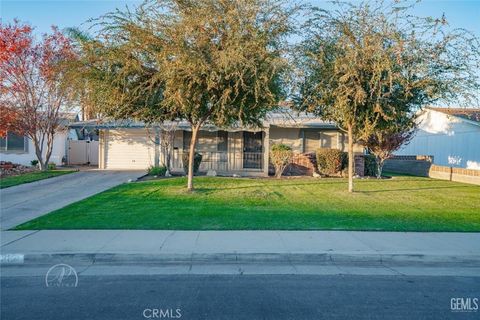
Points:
[400,204]
[30,177]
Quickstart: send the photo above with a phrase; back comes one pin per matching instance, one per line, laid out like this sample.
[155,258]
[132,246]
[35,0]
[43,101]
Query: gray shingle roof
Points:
[278,118]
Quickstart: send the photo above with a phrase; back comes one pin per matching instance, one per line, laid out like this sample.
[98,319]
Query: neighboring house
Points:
[20,149]
[234,150]
[450,135]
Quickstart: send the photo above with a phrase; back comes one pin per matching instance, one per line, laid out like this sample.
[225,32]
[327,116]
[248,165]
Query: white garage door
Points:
[128,149]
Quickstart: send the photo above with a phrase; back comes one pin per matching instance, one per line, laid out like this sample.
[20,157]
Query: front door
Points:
[252,150]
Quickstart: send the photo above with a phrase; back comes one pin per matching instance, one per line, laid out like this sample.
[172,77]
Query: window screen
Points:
[15,142]
[12,142]
[312,141]
[222,139]
[187,137]
[329,140]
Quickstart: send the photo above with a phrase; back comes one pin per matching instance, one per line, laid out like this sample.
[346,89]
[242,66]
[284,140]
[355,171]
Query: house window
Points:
[207,141]
[222,139]
[328,139]
[13,142]
[187,137]
[311,141]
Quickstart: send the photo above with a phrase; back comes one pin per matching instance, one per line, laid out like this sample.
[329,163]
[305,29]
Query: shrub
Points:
[51,166]
[331,161]
[34,163]
[157,171]
[197,159]
[280,156]
[370,165]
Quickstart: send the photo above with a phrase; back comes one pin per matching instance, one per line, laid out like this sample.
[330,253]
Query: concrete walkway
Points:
[174,246]
[28,201]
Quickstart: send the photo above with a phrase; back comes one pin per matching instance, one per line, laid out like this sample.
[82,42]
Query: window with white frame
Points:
[14,143]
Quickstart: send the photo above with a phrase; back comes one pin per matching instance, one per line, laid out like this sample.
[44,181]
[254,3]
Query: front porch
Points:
[227,153]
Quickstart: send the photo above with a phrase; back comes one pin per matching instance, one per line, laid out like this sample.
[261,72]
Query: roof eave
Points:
[476,123]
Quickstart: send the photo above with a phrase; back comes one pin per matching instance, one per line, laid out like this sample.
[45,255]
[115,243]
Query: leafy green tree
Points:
[204,61]
[364,63]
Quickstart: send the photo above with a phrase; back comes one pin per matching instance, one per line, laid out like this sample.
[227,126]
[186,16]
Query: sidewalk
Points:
[134,246]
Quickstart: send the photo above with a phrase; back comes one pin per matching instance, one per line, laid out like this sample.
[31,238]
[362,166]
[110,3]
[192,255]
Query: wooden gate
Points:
[82,152]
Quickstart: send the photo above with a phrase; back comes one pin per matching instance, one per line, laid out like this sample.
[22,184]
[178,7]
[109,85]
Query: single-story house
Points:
[228,151]
[20,149]
[450,135]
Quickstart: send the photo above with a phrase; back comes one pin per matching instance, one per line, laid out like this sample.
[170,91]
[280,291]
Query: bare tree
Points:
[163,138]
[167,140]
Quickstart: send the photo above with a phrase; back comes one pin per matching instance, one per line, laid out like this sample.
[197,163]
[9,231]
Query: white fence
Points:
[82,152]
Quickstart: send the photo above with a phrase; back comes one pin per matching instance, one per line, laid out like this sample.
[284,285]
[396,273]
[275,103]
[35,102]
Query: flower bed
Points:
[8,168]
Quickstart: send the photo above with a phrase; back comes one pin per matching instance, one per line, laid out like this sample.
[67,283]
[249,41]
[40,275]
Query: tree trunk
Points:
[38,152]
[380,163]
[48,153]
[42,165]
[278,172]
[168,158]
[350,158]
[191,156]
[156,160]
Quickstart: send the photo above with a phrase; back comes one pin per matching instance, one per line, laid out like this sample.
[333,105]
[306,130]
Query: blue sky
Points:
[70,13]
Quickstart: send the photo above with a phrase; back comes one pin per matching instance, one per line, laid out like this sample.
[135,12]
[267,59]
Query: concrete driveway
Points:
[28,201]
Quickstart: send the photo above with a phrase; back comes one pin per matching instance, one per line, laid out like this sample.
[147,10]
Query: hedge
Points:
[197,159]
[370,165]
[157,171]
[331,161]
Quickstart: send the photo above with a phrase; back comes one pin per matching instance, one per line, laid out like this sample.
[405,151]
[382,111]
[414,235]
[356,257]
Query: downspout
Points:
[266,146]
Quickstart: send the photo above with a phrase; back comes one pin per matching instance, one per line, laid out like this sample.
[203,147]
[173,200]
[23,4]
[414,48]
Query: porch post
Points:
[266,150]
[102,147]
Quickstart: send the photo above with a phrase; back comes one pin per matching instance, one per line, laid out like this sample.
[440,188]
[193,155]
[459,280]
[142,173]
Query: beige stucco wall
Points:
[343,144]
[289,136]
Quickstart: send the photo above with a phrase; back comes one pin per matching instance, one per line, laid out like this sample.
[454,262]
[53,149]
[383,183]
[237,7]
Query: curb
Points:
[299,258]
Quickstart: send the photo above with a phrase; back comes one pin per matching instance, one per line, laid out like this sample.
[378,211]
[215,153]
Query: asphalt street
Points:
[239,297]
